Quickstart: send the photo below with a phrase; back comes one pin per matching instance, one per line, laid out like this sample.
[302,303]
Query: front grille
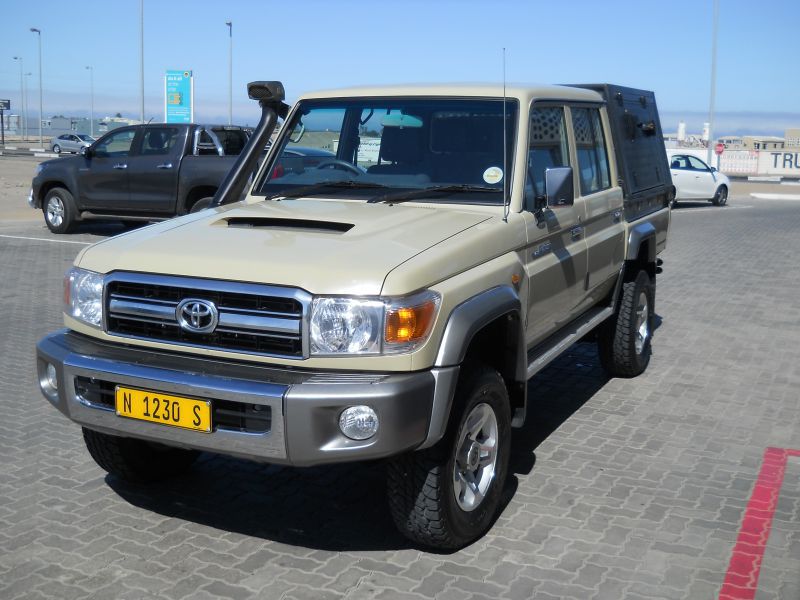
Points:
[225,414]
[253,318]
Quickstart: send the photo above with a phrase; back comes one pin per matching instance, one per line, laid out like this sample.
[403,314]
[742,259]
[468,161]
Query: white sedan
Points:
[695,180]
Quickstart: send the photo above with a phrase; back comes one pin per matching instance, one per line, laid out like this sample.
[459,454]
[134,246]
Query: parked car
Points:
[138,173]
[71,142]
[695,180]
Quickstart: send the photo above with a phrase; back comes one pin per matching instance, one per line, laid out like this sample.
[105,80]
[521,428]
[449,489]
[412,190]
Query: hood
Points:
[324,247]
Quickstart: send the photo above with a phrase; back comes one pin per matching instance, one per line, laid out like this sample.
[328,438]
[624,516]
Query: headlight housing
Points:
[83,296]
[346,326]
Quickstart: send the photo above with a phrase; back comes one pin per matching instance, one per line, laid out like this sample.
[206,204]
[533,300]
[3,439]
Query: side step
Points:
[546,352]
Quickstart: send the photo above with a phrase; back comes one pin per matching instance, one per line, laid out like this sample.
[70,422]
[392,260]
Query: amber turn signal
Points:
[409,324]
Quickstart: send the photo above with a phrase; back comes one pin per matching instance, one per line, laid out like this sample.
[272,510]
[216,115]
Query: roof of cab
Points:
[523,92]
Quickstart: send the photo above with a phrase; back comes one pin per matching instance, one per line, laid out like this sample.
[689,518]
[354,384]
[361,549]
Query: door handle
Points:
[164,166]
[616,216]
[120,166]
[576,232]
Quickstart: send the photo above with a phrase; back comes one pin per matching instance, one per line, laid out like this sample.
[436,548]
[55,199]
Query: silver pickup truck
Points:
[389,301]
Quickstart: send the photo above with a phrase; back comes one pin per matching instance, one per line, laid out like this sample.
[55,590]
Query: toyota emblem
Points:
[197,316]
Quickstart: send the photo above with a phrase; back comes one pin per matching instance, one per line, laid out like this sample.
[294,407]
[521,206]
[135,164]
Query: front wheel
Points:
[624,339]
[59,210]
[136,460]
[448,495]
[57,149]
[201,204]
[721,197]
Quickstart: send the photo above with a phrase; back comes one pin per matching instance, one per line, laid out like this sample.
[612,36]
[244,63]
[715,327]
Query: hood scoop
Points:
[283,224]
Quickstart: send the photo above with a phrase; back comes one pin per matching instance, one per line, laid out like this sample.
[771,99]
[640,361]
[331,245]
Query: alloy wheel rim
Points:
[642,323]
[476,457]
[55,211]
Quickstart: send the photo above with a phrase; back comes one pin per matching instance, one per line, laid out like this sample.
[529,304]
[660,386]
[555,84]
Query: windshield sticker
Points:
[493,175]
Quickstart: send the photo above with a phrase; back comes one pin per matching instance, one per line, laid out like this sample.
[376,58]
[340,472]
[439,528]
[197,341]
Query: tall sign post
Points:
[178,97]
[4,105]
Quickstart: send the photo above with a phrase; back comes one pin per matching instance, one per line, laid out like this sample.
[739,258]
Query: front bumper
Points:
[304,405]
[31,199]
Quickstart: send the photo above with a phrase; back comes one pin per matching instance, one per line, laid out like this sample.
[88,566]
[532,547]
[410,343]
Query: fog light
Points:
[358,422]
[52,377]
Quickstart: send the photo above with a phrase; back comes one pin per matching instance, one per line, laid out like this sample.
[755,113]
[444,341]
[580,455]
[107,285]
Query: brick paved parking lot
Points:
[619,488]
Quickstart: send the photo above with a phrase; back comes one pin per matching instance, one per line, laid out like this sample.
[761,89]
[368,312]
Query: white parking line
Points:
[760,196]
[687,211]
[22,237]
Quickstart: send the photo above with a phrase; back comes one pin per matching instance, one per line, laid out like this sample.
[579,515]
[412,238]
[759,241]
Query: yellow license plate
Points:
[163,408]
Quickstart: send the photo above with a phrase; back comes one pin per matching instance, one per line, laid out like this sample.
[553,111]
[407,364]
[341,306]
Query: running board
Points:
[547,352]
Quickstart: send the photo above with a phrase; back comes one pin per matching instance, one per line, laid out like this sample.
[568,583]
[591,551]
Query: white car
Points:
[695,180]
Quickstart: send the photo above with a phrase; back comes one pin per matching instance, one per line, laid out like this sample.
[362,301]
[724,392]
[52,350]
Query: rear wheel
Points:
[624,339]
[59,210]
[448,495]
[57,149]
[201,204]
[721,197]
[136,460]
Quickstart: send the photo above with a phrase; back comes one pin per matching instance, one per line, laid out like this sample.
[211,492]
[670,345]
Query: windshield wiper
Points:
[438,189]
[316,188]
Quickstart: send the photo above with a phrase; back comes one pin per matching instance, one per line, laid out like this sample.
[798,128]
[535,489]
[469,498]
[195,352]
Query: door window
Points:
[697,164]
[547,147]
[159,140]
[116,144]
[591,148]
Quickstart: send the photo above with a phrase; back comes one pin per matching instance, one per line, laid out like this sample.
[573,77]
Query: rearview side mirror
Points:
[86,151]
[559,189]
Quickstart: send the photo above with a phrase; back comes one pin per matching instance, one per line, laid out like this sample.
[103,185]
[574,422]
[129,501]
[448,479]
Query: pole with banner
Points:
[178,97]
[4,106]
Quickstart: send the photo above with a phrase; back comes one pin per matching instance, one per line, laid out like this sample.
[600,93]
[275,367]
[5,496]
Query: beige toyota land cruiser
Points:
[384,285]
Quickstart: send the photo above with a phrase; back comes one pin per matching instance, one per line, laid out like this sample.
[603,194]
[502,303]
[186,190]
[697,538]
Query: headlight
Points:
[371,326]
[83,296]
[346,326]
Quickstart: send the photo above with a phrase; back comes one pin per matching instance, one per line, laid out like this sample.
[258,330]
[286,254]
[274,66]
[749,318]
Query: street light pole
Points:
[713,82]
[27,133]
[41,110]
[141,58]
[24,126]
[91,99]
[230,71]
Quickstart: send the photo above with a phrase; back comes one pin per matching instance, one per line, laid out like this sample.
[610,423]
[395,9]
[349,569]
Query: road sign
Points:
[719,148]
[5,104]
[178,97]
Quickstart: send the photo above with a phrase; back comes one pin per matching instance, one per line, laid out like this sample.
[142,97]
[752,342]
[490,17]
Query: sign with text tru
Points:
[178,97]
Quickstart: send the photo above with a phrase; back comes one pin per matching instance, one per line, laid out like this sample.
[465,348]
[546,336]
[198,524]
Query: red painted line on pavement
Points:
[741,580]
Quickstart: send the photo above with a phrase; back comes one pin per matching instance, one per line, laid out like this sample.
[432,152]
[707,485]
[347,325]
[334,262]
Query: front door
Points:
[153,170]
[103,178]
[555,257]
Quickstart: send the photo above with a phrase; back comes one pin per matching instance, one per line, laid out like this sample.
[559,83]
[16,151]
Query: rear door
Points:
[556,256]
[602,221]
[103,177]
[154,169]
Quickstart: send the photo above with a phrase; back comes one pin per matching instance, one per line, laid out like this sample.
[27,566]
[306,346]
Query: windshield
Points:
[86,138]
[401,144]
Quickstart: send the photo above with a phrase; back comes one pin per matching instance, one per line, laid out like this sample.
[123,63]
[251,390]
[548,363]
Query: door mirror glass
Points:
[559,188]
[86,151]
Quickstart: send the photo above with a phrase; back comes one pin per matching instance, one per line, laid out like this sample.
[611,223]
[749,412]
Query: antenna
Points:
[506,202]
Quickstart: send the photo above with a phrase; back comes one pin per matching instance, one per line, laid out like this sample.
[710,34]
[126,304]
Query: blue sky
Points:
[313,44]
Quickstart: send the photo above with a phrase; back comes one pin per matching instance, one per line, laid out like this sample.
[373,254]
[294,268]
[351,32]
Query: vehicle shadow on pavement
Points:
[343,507]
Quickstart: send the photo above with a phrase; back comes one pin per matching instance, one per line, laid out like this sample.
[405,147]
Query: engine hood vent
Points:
[280,223]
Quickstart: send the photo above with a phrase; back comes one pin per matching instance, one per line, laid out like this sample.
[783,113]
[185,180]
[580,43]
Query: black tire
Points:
[624,347]
[59,210]
[201,204]
[137,461]
[721,197]
[421,485]
[57,149]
